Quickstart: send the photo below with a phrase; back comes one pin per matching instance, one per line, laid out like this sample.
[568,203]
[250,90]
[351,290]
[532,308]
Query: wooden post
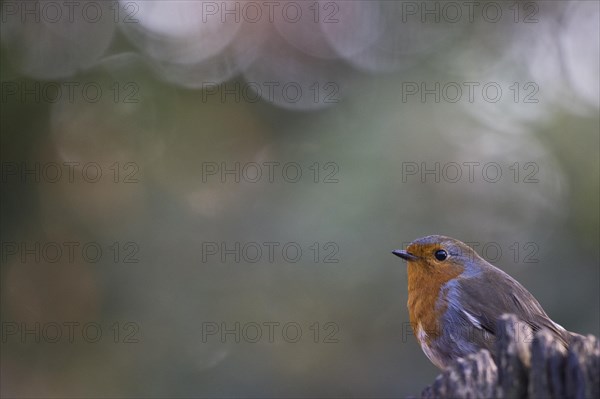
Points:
[526,365]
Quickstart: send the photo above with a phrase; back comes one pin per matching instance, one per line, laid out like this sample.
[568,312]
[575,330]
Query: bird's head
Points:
[440,255]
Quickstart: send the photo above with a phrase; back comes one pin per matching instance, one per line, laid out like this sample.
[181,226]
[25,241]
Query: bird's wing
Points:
[483,304]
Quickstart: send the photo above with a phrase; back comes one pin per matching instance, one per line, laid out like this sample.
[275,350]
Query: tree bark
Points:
[524,365]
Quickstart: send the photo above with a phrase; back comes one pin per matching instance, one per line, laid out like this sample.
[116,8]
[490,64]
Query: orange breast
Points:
[424,286]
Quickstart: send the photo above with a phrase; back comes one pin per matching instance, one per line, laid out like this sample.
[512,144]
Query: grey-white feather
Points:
[481,305]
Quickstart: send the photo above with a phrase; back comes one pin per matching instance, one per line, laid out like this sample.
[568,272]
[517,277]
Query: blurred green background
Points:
[370,95]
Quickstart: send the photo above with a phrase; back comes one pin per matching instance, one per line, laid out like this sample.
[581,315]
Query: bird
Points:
[455,298]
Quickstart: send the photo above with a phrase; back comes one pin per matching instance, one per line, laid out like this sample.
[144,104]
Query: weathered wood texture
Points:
[527,365]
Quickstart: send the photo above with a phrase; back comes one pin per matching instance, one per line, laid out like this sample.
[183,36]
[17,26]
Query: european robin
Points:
[455,298]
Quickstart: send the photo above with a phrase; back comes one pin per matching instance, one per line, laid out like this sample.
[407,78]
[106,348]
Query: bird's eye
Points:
[441,255]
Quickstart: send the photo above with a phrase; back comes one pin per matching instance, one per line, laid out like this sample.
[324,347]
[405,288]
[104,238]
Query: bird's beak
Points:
[404,255]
